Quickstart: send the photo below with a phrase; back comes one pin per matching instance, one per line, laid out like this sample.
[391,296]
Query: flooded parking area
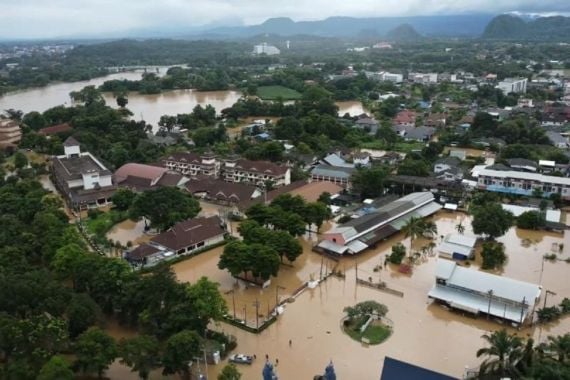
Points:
[425,334]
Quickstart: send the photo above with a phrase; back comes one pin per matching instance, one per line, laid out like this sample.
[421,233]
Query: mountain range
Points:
[458,25]
[515,28]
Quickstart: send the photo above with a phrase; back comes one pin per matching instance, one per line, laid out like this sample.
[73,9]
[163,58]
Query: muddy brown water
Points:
[424,333]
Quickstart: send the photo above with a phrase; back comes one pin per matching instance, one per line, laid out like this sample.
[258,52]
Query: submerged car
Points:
[241,359]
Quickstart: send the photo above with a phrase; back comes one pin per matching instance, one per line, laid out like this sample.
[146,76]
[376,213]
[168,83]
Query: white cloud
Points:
[41,18]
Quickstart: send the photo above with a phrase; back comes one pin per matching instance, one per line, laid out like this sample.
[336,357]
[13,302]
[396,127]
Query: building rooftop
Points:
[525,175]
[70,141]
[190,232]
[481,282]
[394,369]
[333,171]
[75,167]
[149,172]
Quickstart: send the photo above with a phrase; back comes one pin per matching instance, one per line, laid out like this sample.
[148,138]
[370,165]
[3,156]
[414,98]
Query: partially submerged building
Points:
[478,292]
[457,247]
[184,238]
[366,231]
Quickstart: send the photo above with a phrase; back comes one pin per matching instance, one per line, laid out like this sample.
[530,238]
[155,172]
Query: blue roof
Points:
[398,370]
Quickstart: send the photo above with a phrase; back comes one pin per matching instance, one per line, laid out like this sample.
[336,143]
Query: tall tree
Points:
[370,182]
[164,207]
[95,351]
[490,219]
[56,368]
[141,353]
[207,302]
[413,228]
[179,351]
[502,355]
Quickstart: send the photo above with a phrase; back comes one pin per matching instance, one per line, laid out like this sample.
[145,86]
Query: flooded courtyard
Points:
[424,333]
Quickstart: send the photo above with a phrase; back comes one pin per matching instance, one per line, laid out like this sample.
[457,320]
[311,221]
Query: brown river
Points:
[144,107]
[424,333]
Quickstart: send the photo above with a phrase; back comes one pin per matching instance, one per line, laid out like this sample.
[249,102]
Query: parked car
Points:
[241,359]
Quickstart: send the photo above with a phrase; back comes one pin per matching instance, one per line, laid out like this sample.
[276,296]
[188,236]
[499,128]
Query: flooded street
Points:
[425,334]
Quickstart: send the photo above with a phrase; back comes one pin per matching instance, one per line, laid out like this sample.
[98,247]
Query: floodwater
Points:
[129,230]
[147,107]
[424,333]
[353,108]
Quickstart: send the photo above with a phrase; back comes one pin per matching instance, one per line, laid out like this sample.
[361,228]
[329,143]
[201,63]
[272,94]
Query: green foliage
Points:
[175,206]
[259,260]
[123,199]
[502,354]
[490,219]
[414,167]
[366,309]
[277,92]
[229,372]
[56,368]
[493,255]
[370,182]
[82,313]
[548,314]
[397,255]
[20,160]
[141,353]
[180,350]
[95,351]
[531,220]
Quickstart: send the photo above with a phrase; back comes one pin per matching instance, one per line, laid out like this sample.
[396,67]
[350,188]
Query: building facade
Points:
[10,133]
[515,85]
[192,164]
[82,179]
[523,183]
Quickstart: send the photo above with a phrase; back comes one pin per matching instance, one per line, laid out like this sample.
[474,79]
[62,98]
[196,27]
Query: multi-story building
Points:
[192,164]
[10,133]
[257,173]
[423,77]
[82,179]
[516,85]
[523,183]
[264,48]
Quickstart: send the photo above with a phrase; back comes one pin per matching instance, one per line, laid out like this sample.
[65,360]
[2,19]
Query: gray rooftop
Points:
[333,171]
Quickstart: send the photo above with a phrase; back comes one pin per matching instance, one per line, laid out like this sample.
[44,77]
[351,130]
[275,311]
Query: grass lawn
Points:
[376,332]
[275,92]
[104,221]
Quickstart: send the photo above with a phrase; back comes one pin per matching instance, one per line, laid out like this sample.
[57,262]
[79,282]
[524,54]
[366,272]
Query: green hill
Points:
[514,28]
[404,32]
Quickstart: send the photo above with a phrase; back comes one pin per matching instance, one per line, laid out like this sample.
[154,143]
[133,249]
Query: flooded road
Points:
[425,334]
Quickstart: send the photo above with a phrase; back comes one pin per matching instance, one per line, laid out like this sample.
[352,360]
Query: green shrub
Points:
[398,254]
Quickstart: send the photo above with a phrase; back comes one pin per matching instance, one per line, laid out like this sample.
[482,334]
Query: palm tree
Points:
[412,229]
[503,355]
[557,347]
[429,228]
[460,228]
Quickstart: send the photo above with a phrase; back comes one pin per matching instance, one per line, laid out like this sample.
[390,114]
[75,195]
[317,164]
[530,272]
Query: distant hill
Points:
[458,25]
[542,28]
[404,32]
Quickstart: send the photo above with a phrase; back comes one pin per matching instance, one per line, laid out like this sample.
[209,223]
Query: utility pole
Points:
[256,304]
[234,301]
[522,309]
[356,271]
[546,296]
[321,272]
[245,314]
[490,293]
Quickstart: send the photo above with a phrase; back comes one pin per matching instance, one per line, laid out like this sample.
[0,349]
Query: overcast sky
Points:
[62,18]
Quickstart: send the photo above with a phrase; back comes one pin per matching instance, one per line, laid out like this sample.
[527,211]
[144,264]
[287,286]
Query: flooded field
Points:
[129,230]
[424,333]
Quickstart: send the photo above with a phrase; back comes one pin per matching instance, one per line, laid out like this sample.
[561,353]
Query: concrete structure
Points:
[457,247]
[557,139]
[184,238]
[192,164]
[516,85]
[255,172]
[428,78]
[336,174]
[522,183]
[10,133]
[367,230]
[479,292]
[266,49]
[523,164]
[82,179]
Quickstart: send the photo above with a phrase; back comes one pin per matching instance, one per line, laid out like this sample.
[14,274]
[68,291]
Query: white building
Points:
[83,180]
[478,292]
[423,77]
[255,172]
[266,49]
[516,85]
[457,246]
[522,183]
